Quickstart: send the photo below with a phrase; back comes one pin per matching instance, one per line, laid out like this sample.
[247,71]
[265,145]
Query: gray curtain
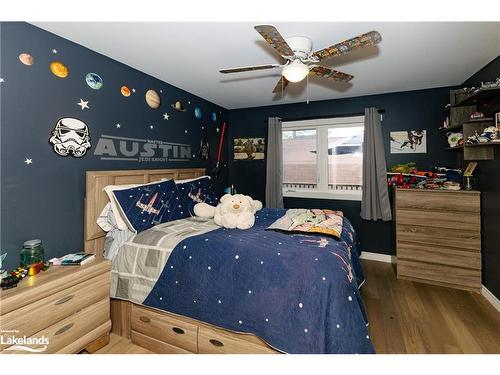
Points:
[375,204]
[274,173]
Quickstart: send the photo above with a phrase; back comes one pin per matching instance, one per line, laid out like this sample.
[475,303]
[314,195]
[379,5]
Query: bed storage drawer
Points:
[165,328]
[38,315]
[65,333]
[216,342]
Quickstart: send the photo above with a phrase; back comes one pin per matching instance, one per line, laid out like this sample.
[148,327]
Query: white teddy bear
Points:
[233,211]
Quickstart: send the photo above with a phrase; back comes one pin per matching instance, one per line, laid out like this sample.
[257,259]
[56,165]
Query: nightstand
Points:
[62,310]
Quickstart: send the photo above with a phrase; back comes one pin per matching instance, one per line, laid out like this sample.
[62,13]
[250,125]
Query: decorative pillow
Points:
[147,205]
[197,191]
[310,221]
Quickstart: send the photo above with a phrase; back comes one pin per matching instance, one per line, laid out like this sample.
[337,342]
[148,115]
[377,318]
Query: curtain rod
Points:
[381,111]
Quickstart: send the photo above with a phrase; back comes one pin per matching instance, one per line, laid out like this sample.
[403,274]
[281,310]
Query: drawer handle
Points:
[145,319]
[64,329]
[216,343]
[178,330]
[64,299]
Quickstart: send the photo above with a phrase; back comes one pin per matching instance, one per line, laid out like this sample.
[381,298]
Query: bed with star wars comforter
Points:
[298,292]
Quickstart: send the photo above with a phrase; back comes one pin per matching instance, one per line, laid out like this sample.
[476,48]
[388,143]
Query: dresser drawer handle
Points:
[64,299]
[216,343]
[178,330]
[145,319]
[64,329]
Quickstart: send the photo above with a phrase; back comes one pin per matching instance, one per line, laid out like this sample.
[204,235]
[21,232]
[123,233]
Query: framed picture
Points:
[249,148]
[409,142]
[470,168]
[497,120]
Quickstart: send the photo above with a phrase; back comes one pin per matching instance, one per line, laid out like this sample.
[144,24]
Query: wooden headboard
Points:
[96,198]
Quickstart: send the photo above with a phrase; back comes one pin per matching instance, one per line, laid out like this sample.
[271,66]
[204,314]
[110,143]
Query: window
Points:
[323,158]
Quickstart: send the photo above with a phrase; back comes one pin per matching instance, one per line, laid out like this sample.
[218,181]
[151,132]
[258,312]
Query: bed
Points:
[188,286]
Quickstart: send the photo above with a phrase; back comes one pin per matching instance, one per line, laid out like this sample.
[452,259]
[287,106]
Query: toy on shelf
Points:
[489,134]
[476,116]
[455,139]
[441,178]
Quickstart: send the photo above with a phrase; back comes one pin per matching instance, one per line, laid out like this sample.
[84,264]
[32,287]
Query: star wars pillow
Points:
[197,191]
[147,205]
[310,221]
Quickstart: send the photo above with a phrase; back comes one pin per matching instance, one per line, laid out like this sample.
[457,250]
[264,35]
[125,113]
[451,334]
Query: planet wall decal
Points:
[26,59]
[178,106]
[125,91]
[59,69]
[153,99]
[94,81]
[197,113]
[213,116]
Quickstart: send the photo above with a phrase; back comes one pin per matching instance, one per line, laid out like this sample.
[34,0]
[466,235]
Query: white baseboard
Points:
[490,297]
[378,257]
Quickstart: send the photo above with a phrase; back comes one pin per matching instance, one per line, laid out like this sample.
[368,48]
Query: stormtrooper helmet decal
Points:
[70,137]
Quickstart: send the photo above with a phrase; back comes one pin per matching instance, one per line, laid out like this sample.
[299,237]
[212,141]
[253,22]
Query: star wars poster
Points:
[409,142]
[249,148]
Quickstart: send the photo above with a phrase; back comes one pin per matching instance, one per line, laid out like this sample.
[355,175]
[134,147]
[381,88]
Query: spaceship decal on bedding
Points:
[70,137]
[148,207]
[196,197]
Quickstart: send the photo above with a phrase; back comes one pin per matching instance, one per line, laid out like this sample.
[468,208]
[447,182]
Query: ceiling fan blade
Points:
[274,38]
[321,71]
[364,40]
[249,68]
[281,85]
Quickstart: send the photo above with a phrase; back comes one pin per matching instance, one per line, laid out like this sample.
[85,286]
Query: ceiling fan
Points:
[301,61]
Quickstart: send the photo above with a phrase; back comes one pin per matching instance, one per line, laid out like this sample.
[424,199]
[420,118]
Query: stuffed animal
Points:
[233,211]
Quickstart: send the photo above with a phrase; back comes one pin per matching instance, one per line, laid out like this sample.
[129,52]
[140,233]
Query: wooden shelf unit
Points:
[479,96]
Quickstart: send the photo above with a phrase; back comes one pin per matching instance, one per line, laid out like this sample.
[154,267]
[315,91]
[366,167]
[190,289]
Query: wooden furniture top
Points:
[473,192]
[48,282]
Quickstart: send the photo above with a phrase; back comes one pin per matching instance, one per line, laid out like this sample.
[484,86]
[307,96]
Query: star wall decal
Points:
[217,130]
[2,80]
[133,90]
[166,116]
[54,51]
[84,104]
[151,126]
[28,161]
[161,91]
[118,126]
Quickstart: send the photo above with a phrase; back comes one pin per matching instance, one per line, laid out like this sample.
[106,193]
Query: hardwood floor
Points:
[120,345]
[408,317]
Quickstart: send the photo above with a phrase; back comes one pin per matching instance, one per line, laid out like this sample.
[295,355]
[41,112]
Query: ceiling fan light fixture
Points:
[296,71]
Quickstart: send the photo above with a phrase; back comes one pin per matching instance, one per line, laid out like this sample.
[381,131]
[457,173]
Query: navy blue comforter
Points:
[297,292]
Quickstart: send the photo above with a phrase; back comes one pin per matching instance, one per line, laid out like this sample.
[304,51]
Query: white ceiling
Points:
[189,55]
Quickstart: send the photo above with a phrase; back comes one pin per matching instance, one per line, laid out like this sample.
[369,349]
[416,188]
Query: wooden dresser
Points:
[438,237]
[67,306]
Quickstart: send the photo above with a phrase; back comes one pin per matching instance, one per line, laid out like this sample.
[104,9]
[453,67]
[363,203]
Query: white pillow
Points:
[106,219]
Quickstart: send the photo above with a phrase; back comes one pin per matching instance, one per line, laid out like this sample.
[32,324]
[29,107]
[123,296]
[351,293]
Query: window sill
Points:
[335,195]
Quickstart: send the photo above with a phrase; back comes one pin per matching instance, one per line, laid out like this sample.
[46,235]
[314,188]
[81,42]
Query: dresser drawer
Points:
[64,333]
[455,277]
[431,253]
[164,328]
[213,342]
[438,200]
[32,318]
[469,221]
[457,238]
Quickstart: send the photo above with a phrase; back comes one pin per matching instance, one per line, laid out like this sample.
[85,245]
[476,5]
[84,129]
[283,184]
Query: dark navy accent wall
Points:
[421,109]
[488,182]
[45,199]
